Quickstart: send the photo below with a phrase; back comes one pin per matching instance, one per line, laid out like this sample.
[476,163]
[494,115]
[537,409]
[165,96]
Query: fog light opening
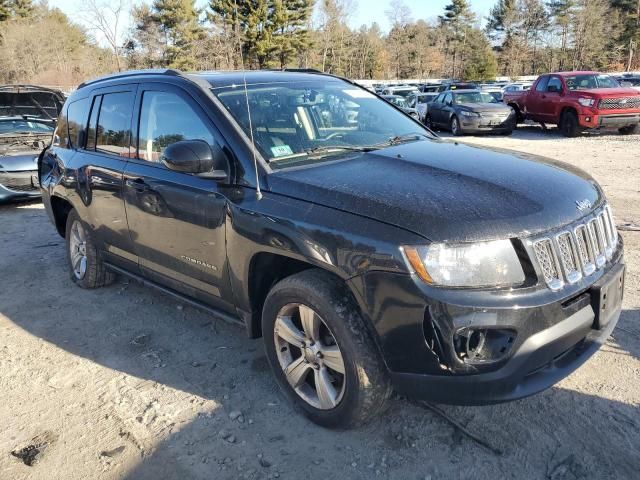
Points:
[483,345]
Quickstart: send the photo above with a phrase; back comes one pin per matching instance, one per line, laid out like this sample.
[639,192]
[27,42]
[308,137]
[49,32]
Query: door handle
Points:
[137,184]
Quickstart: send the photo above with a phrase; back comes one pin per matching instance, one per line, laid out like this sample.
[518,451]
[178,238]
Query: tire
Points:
[357,395]
[630,130]
[81,249]
[455,127]
[428,121]
[569,125]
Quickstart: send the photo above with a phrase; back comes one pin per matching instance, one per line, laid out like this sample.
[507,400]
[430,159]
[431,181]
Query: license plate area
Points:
[34,180]
[606,296]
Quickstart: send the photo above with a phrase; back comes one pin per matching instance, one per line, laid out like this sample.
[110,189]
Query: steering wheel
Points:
[335,135]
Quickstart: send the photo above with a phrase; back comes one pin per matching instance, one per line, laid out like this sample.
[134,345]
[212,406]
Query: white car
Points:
[420,101]
[517,87]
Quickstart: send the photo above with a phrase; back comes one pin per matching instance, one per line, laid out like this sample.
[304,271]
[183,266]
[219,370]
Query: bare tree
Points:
[105,18]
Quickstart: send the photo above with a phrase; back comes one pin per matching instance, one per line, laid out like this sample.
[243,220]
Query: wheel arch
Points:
[60,207]
[265,270]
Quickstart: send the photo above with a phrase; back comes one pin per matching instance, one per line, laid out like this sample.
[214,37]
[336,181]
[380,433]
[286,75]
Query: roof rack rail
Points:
[133,73]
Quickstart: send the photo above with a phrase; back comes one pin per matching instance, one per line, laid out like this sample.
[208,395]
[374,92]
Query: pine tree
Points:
[178,20]
[458,20]
[481,63]
[630,35]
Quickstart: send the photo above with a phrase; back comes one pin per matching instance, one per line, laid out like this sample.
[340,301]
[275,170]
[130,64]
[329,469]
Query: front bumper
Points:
[556,333]
[543,360]
[19,185]
[617,120]
[486,124]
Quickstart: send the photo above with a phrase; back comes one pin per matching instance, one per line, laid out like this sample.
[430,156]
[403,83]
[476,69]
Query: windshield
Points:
[403,92]
[475,97]
[17,126]
[589,80]
[315,120]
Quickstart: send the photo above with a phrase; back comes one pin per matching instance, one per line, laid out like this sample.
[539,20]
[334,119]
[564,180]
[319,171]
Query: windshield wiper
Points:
[310,152]
[400,139]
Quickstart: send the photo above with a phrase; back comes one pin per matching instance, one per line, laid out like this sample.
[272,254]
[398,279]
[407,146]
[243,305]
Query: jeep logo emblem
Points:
[583,205]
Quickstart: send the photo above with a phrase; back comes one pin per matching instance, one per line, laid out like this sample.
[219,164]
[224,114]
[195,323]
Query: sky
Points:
[365,11]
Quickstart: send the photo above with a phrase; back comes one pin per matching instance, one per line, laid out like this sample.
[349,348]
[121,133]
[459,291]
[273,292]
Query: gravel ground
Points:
[123,382]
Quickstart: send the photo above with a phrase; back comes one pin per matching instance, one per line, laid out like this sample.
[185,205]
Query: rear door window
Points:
[76,119]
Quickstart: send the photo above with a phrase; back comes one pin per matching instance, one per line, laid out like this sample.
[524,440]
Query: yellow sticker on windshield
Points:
[281,150]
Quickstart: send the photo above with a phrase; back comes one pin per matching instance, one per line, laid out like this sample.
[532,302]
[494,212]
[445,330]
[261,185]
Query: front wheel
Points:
[630,130]
[321,352]
[569,125]
[455,126]
[86,267]
[428,121]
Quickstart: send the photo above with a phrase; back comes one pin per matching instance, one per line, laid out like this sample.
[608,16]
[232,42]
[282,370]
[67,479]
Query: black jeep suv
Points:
[369,254]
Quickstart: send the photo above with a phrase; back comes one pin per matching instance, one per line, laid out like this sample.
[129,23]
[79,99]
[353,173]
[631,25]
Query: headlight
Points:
[466,113]
[482,264]
[586,101]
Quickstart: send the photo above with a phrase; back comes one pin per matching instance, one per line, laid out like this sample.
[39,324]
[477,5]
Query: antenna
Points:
[253,144]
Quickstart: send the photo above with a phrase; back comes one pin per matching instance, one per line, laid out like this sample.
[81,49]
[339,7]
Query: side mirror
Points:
[197,157]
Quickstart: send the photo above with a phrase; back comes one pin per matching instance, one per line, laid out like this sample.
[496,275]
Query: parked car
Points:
[403,104]
[399,90]
[578,101]
[629,81]
[430,87]
[370,257]
[27,119]
[470,111]
[516,87]
[420,101]
[495,92]
[458,86]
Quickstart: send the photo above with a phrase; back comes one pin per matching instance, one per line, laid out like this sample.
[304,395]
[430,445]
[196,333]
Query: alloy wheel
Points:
[78,250]
[309,356]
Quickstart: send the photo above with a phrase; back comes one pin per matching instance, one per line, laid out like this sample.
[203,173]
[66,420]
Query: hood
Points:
[30,100]
[485,107]
[446,191]
[608,92]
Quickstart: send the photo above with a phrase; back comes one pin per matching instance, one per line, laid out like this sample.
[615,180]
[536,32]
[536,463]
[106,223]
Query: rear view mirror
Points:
[197,157]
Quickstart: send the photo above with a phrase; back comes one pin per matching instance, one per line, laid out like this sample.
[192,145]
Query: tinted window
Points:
[554,82]
[447,98]
[93,120]
[166,118]
[440,98]
[61,134]
[114,120]
[541,86]
[76,118]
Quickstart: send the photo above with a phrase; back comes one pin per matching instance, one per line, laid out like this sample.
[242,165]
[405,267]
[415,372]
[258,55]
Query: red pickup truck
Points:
[576,101]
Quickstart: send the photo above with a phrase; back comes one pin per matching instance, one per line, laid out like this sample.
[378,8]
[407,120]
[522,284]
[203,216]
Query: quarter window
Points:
[166,118]
[76,118]
[114,120]
[61,134]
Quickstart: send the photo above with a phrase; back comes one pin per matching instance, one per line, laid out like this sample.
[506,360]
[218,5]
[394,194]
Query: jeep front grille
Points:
[619,103]
[568,255]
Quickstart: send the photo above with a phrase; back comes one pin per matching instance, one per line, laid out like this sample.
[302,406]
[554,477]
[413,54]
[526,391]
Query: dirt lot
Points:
[124,382]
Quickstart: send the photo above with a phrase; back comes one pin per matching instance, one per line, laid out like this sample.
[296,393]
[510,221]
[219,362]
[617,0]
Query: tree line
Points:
[519,37]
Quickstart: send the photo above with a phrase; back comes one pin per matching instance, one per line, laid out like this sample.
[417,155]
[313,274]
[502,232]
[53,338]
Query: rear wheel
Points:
[86,267]
[630,130]
[321,351]
[569,125]
[455,126]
